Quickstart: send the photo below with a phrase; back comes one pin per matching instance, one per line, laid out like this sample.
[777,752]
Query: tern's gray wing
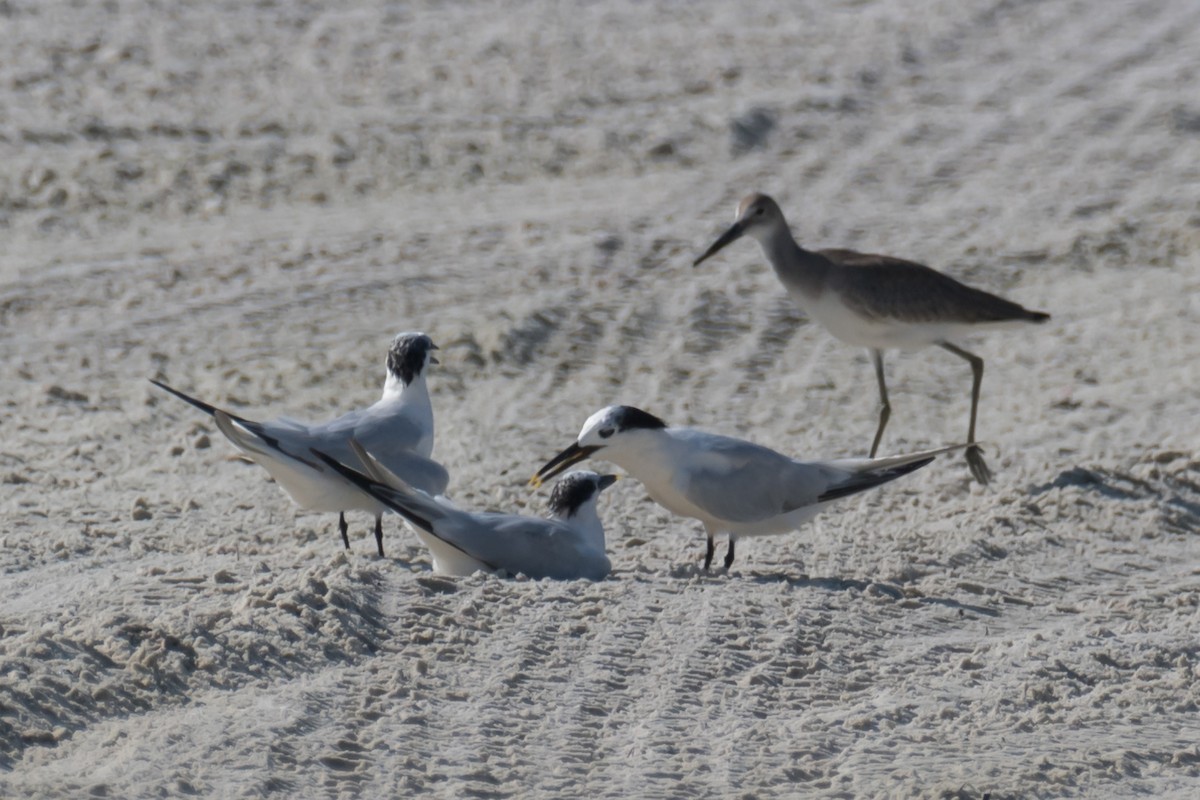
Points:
[742,482]
[385,435]
[383,429]
[539,548]
[422,473]
[416,470]
[738,481]
[419,472]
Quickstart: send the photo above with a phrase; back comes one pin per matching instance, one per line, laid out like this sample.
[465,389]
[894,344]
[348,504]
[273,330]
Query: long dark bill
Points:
[572,455]
[732,235]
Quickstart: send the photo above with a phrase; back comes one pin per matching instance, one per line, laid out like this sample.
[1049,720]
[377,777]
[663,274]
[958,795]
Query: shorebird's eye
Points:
[760,211]
[606,432]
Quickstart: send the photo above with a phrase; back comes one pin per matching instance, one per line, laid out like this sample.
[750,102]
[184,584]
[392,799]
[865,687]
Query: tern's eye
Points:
[606,432]
[760,211]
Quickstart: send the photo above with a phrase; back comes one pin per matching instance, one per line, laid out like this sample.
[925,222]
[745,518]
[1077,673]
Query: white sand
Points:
[250,200]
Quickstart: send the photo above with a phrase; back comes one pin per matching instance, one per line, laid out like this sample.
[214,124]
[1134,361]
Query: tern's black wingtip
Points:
[207,408]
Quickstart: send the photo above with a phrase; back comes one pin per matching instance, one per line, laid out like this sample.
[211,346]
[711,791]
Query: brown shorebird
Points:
[877,302]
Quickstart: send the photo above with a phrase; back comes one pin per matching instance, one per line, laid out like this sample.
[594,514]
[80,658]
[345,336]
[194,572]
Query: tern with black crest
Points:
[732,486]
[398,429]
[567,546]
[878,302]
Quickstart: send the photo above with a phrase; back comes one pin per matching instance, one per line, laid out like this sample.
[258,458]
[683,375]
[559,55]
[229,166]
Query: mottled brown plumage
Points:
[878,302]
[885,287]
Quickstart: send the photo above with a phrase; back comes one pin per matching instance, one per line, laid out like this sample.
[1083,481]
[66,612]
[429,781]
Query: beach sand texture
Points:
[249,200]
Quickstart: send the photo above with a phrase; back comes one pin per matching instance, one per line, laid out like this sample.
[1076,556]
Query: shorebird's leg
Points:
[979,467]
[343,527]
[708,555]
[885,408]
[379,533]
[729,552]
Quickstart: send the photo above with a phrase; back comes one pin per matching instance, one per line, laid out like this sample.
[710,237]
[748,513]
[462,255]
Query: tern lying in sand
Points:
[567,546]
[398,429]
[730,485]
[878,302]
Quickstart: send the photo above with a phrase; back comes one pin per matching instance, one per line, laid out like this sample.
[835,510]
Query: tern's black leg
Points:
[979,467]
[729,553]
[343,527]
[379,533]
[885,408]
[708,556]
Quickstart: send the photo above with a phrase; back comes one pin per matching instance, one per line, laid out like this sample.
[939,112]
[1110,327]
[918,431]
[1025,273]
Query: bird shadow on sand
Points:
[1102,481]
[799,582]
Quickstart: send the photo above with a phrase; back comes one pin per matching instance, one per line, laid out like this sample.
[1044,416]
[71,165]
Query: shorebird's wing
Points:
[889,288]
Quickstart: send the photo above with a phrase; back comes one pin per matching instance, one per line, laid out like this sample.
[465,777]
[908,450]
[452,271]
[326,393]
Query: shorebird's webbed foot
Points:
[729,554]
[708,555]
[343,527]
[979,467]
[379,534]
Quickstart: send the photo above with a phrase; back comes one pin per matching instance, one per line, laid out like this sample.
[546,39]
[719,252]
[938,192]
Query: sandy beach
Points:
[249,200]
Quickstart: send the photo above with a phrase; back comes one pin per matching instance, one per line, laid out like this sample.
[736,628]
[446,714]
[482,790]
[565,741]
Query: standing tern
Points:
[567,546]
[730,485]
[398,428]
[877,302]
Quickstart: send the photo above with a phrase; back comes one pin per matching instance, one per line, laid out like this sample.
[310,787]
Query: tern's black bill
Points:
[572,455]
[732,235]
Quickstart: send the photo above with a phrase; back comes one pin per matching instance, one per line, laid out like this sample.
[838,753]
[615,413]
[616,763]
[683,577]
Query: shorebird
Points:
[398,428]
[877,302]
[732,486]
[568,545]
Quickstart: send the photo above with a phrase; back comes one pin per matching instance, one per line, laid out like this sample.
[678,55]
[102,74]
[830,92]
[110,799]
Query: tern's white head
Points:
[610,428]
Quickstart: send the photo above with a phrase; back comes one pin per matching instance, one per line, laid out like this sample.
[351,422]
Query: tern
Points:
[878,302]
[567,546]
[732,486]
[398,429]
